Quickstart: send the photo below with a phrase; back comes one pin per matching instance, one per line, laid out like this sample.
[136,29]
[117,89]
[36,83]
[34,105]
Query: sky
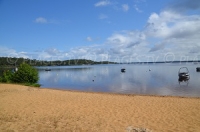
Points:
[101,30]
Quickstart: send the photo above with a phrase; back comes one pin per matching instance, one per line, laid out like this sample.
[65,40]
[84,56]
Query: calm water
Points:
[162,79]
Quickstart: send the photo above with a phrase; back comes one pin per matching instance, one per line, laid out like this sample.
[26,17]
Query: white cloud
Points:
[126,45]
[157,47]
[139,1]
[171,25]
[4,51]
[103,16]
[41,20]
[89,39]
[125,7]
[51,54]
[115,5]
[175,33]
[137,9]
[126,38]
[102,3]
[9,52]
[166,32]
[52,51]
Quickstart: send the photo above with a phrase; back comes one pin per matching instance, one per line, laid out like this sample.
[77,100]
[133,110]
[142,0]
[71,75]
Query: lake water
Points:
[161,79]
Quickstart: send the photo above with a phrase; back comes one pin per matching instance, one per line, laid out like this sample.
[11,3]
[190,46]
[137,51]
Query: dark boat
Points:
[123,70]
[183,73]
[47,69]
[198,69]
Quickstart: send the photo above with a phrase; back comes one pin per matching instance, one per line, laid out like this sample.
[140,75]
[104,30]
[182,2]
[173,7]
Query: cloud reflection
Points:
[162,79]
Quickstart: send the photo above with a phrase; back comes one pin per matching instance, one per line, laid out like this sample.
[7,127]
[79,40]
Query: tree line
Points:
[13,62]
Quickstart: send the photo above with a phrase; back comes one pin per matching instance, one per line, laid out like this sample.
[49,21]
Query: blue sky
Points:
[113,30]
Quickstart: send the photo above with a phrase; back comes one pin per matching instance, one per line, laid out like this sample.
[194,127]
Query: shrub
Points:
[25,74]
[7,76]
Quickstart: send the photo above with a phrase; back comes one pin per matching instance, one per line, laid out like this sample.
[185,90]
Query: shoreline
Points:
[25,108]
[122,94]
[107,93]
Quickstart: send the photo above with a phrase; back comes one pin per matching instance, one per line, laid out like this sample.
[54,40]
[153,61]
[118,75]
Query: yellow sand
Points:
[24,108]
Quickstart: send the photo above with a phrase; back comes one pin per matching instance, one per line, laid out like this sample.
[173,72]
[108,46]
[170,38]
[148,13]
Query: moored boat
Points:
[47,69]
[183,72]
[198,69]
[123,70]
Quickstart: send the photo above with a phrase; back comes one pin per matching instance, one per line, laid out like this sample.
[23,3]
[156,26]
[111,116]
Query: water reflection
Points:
[162,79]
[183,81]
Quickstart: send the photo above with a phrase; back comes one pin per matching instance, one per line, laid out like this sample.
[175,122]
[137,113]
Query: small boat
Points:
[183,73]
[123,70]
[47,69]
[198,69]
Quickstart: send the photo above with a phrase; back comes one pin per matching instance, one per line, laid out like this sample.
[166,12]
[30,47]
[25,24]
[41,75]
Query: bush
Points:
[7,76]
[25,74]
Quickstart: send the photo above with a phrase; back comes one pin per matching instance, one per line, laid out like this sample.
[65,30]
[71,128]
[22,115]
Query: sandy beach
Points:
[24,108]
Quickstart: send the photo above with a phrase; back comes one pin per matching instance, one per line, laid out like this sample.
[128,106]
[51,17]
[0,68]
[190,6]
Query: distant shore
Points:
[24,108]
[13,62]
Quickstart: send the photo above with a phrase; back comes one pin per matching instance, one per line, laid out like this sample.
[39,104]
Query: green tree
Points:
[26,74]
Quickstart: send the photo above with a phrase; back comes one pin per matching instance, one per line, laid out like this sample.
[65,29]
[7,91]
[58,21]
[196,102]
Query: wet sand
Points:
[24,108]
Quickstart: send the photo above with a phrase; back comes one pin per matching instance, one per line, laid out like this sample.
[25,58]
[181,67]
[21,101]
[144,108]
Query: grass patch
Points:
[32,85]
[25,84]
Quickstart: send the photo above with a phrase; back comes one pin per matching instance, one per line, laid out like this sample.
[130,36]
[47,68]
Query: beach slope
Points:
[24,108]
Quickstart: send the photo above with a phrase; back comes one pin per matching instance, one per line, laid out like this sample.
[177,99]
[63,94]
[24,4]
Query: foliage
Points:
[33,85]
[25,74]
[7,76]
[12,62]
